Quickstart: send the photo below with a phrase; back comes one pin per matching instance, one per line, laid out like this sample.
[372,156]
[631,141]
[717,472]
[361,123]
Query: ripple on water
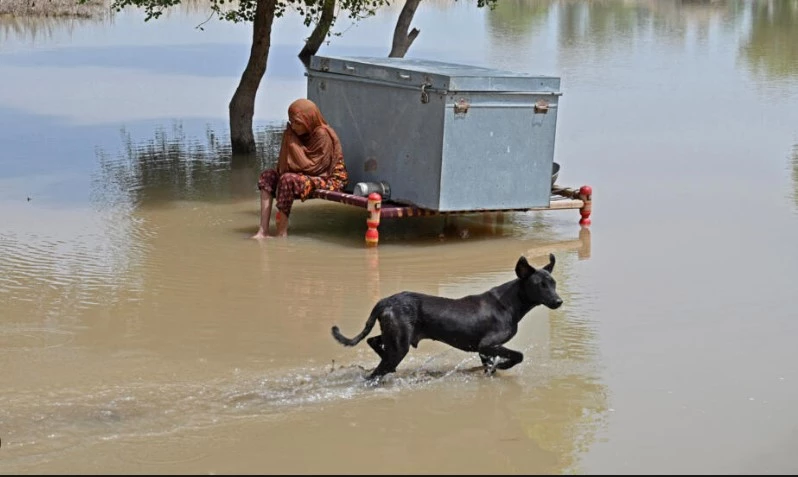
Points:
[66,258]
[145,409]
[175,448]
[42,424]
[21,338]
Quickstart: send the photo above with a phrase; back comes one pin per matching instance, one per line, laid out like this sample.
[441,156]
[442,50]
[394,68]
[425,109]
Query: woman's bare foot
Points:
[262,235]
[265,216]
[282,224]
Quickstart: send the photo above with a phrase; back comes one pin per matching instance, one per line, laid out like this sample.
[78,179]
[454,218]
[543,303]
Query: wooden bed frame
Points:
[561,198]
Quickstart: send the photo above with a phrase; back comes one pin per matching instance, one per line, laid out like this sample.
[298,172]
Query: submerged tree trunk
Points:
[242,106]
[401,38]
[319,33]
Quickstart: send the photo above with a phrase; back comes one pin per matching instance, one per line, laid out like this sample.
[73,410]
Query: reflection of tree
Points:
[600,23]
[772,47]
[33,21]
[513,20]
[32,28]
[171,167]
[604,24]
[53,8]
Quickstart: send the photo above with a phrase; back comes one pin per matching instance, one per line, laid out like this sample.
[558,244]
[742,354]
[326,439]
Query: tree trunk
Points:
[242,106]
[401,38]
[319,33]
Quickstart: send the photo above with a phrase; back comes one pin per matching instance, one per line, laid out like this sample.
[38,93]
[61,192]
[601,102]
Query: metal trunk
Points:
[446,137]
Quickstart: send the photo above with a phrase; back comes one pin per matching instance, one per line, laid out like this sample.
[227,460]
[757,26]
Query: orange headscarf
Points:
[315,153]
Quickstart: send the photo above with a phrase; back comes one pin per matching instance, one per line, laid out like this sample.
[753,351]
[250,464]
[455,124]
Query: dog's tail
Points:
[375,313]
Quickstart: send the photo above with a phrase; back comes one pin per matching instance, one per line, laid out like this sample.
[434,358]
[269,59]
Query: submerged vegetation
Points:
[54,8]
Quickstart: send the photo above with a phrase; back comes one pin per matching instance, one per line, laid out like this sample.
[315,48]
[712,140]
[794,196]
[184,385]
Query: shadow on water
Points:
[346,226]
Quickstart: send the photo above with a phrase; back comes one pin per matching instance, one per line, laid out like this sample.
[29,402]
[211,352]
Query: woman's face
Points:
[303,117]
[298,128]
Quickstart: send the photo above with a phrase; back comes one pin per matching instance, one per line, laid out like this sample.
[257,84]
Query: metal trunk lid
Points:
[436,75]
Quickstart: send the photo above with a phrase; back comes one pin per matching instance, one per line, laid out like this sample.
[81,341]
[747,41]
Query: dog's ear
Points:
[550,266]
[523,269]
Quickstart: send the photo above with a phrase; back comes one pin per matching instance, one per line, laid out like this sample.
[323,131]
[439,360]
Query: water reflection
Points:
[567,37]
[772,47]
[34,29]
[561,349]
[552,406]
[175,167]
[179,293]
[68,257]
[565,343]
[599,27]
[569,345]
[45,19]
[206,303]
[602,25]
[57,262]
[514,20]
[795,174]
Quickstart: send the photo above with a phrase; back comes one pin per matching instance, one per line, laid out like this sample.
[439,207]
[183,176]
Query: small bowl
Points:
[555,171]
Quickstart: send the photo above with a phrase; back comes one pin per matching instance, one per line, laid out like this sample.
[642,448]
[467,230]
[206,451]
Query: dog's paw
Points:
[373,381]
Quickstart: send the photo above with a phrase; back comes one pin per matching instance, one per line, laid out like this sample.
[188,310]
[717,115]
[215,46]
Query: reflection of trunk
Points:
[244,171]
[401,38]
[319,33]
[242,106]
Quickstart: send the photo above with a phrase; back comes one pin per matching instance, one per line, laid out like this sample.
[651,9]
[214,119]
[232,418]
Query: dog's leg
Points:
[393,354]
[488,363]
[376,344]
[388,364]
[381,370]
[511,358]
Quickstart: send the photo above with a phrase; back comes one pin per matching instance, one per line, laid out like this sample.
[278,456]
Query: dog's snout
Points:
[557,303]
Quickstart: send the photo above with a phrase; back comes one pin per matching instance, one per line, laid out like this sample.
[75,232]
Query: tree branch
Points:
[401,38]
[316,38]
[199,27]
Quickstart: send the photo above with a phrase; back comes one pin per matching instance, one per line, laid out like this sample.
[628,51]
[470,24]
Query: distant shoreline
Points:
[52,8]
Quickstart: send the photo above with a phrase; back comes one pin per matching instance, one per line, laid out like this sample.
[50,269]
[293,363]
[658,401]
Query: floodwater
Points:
[142,331]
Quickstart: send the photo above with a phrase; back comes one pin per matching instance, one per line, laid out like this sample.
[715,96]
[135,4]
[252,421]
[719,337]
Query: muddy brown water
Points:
[141,330]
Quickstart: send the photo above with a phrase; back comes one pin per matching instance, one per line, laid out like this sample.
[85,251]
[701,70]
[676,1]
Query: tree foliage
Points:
[244,10]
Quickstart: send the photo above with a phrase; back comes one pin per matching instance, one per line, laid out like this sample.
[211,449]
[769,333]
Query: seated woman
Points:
[310,158]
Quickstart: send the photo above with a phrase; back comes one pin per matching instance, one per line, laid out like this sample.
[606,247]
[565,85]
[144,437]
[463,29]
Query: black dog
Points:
[478,323]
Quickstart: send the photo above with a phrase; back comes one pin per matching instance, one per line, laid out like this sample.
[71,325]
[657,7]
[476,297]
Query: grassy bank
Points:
[53,8]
